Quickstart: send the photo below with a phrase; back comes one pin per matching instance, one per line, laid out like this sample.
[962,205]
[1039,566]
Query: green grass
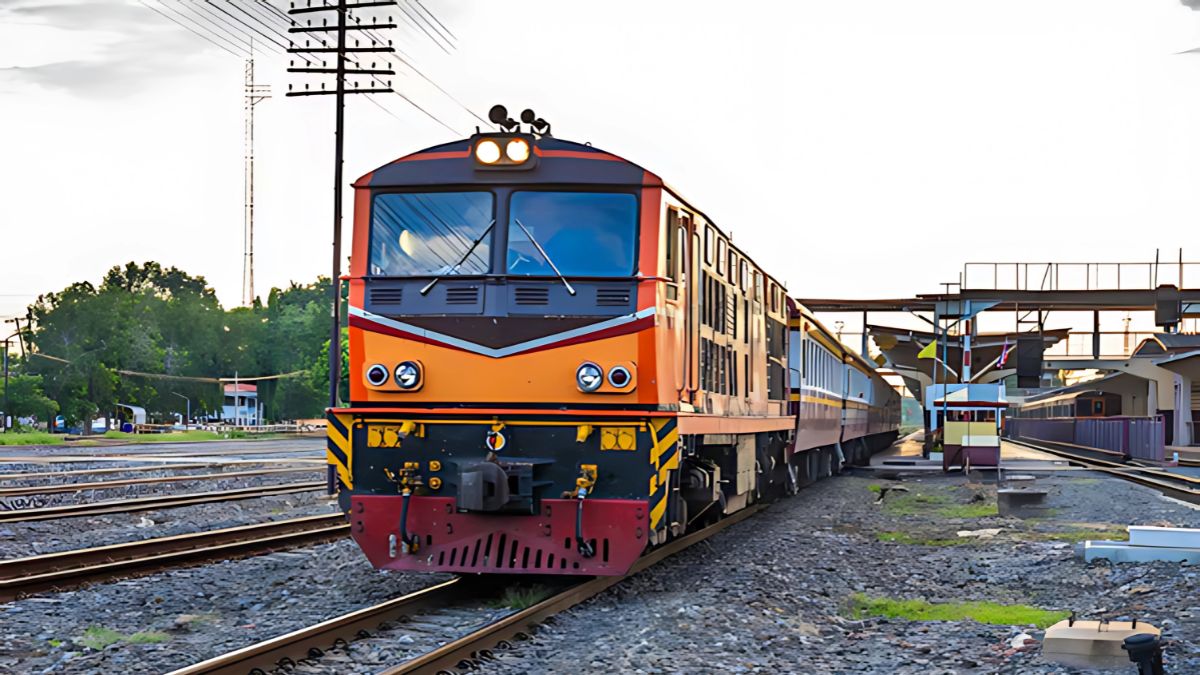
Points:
[152,637]
[937,505]
[99,637]
[520,597]
[861,605]
[31,438]
[906,538]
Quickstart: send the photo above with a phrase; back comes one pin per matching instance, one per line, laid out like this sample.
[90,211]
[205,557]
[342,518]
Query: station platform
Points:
[905,455]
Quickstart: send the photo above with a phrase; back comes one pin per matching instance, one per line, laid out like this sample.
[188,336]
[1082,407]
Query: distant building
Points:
[241,406]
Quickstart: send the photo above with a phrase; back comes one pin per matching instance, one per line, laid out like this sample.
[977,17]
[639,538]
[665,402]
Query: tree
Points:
[26,398]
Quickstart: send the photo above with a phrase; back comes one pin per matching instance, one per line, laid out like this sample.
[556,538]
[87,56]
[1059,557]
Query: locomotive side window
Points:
[430,233]
[588,234]
[672,245]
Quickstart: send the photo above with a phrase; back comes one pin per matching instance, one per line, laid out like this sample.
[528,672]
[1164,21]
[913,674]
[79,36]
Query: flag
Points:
[1004,352]
[929,351]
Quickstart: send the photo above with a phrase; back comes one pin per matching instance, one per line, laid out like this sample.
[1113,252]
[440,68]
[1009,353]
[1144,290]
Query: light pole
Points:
[189,409]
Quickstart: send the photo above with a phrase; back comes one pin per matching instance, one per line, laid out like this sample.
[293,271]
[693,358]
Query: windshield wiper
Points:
[460,260]
[544,255]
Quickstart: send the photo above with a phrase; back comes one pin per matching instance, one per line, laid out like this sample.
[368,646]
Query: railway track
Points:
[24,576]
[455,655]
[27,490]
[154,502]
[1175,485]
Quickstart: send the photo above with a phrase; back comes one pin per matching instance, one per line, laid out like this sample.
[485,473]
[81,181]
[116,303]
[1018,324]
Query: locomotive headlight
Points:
[377,375]
[488,151]
[589,377]
[517,150]
[408,375]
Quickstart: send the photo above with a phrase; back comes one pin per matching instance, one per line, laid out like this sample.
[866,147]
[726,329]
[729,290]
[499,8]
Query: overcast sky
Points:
[860,149]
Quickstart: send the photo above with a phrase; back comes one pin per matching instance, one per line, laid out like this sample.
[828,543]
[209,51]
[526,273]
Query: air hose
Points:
[585,547]
[407,544]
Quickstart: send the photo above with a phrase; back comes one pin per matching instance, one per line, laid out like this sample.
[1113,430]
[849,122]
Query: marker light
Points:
[487,152]
[517,150]
[408,375]
[377,375]
[589,377]
[618,376]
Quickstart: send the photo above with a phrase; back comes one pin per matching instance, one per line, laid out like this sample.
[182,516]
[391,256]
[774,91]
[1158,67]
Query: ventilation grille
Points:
[612,297]
[502,552]
[387,296]
[531,296]
[462,296]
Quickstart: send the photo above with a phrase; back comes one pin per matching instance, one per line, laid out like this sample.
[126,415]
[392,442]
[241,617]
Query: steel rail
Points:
[1174,485]
[155,502]
[467,653]
[23,576]
[303,643]
[19,475]
[27,490]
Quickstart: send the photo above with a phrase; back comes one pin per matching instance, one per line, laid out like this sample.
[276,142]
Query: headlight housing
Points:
[589,377]
[377,375]
[408,375]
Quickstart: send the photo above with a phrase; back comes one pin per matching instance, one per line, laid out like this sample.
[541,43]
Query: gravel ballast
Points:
[772,594]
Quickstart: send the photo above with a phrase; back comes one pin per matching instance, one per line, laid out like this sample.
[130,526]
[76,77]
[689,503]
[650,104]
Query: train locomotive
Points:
[557,362]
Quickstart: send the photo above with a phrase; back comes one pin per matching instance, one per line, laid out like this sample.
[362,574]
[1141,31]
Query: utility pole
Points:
[255,94]
[343,52]
[5,415]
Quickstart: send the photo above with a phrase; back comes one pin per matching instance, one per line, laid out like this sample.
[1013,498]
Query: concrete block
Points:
[1122,551]
[1021,502]
[1174,537]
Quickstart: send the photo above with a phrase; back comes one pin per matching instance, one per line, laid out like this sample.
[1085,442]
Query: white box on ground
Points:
[1173,537]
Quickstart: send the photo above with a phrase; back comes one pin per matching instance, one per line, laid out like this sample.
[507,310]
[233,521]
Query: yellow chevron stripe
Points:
[658,510]
[342,443]
[663,445]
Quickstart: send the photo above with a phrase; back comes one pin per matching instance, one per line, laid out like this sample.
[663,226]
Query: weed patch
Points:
[911,540]
[861,605]
[99,637]
[520,597]
[937,505]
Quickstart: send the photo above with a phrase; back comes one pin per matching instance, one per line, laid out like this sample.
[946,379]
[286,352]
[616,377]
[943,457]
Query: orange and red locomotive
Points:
[556,362]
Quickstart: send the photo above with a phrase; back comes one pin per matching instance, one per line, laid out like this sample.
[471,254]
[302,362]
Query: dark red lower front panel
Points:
[500,543]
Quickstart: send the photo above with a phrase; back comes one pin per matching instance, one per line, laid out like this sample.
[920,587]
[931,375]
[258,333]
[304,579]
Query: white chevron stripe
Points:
[503,351]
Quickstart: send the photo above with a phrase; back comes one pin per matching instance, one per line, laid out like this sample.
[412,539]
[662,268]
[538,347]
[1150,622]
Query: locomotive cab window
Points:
[586,234]
[427,233]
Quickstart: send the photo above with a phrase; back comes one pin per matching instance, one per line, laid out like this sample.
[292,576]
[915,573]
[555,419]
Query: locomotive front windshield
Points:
[427,233]
[586,234]
[582,234]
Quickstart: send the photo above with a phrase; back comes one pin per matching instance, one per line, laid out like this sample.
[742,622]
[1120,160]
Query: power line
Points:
[193,31]
[439,22]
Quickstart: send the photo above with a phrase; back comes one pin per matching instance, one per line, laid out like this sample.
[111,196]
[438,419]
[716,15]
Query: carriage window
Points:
[721,257]
[587,234]
[745,275]
[672,245]
[430,233]
[758,286]
[733,269]
[708,245]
